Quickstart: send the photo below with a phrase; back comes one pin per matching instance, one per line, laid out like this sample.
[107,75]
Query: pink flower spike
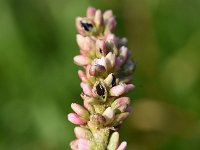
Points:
[86,89]
[121,89]
[122,146]
[91,12]
[107,69]
[81,60]
[76,119]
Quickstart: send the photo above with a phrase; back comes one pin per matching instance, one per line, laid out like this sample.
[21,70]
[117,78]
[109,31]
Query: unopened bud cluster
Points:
[105,78]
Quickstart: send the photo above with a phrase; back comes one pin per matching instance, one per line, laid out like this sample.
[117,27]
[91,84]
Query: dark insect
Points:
[100,90]
[86,26]
[113,80]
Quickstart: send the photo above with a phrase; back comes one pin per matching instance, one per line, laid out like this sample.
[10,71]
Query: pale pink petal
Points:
[76,119]
[107,14]
[86,89]
[98,18]
[81,60]
[101,62]
[91,12]
[83,133]
[74,144]
[111,23]
[109,114]
[122,146]
[80,41]
[111,60]
[80,110]
[89,44]
[83,144]
[121,89]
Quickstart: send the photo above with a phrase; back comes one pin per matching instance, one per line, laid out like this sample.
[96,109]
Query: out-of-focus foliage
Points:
[38,79]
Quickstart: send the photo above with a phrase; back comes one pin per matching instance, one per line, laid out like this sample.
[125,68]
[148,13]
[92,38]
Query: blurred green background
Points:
[38,79]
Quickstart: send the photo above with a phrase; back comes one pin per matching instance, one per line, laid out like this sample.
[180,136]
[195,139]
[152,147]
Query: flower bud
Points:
[113,142]
[120,103]
[88,106]
[111,38]
[111,23]
[82,76]
[86,89]
[87,72]
[74,144]
[90,12]
[86,44]
[80,40]
[80,110]
[110,59]
[100,48]
[76,119]
[122,146]
[110,80]
[109,114]
[107,14]
[101,61]
[89,44]
[98,18]
[121,89]
[81,60]
[97,70]
[83,133]
[123,53]
[84,144]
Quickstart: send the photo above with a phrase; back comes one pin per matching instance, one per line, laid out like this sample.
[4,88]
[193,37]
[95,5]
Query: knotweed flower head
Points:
[105,79]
